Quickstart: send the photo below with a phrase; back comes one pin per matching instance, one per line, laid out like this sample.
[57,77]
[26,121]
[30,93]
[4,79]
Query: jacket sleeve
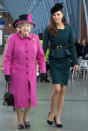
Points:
[41,57]
[8,56]
[72,46]
[45,39]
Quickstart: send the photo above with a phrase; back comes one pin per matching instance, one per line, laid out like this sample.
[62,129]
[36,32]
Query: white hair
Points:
[26,22]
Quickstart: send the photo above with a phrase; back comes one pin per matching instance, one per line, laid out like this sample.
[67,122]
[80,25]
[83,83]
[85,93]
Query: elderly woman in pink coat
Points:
[23,50]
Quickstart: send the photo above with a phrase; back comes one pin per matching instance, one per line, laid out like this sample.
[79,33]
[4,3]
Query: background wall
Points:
[41,12]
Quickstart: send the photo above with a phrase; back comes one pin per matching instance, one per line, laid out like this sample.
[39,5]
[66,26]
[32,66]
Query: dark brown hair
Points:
[52,26]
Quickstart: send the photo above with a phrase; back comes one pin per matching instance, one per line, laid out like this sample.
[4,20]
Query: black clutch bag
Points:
[8,98]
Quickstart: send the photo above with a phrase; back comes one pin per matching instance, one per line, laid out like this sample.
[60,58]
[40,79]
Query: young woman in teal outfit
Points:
[60,36]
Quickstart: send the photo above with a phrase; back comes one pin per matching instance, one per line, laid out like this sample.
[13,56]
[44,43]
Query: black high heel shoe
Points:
[27,124]
[20,126]
[48,121]
[57,125]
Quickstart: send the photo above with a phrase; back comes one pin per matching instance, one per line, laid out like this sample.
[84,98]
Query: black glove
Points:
[43,77]
[7,78]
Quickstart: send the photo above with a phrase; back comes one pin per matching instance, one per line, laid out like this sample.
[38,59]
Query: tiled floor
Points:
[74,114]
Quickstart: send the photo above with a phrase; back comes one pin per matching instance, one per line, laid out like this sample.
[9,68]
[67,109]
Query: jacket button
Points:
[26,72]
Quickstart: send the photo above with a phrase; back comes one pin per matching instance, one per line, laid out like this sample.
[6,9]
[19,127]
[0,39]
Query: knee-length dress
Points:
[59,59]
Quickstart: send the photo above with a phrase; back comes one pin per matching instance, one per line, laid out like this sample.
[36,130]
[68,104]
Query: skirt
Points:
[60,70]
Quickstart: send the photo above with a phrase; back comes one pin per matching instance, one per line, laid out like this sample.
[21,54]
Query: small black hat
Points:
[14,23]
[23,17]
[56,7]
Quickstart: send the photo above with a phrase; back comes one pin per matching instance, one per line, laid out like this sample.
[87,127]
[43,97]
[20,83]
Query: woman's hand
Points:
[43,77]
[2,68]
[76,67]
[7,78]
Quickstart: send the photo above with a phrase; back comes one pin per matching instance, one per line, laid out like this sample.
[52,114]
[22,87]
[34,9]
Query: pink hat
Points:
[25,19]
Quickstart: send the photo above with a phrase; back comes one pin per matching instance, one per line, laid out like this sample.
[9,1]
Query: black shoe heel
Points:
[27,124]
[20,126]
[48,121]
[57,125]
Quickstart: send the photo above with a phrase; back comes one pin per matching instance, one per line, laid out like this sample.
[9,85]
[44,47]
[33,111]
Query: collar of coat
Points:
[22,37]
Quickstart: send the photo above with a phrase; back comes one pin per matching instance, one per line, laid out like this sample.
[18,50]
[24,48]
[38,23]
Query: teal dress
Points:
[59,60]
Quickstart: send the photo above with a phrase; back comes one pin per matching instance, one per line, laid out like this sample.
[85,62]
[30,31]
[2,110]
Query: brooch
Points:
[34,39]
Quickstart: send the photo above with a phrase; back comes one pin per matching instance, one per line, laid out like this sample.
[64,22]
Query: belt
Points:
[60,47]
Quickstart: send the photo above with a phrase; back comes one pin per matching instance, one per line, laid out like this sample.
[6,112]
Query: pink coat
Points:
[19,63]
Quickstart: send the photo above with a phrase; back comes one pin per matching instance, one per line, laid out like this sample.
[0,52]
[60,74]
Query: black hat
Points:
[14,23]
[23,17]
[56,7]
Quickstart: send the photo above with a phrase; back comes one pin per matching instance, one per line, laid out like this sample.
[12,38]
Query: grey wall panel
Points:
[85,2]
[74,11]
[78,26]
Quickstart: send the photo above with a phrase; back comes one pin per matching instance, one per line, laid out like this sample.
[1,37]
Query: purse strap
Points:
[7,86]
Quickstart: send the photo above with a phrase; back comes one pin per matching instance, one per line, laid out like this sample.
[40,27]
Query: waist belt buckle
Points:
[59,47]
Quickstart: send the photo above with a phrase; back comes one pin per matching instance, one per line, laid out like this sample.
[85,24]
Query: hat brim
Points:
[25,22]
[14,23]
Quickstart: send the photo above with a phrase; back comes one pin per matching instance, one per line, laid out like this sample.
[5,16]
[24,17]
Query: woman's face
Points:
[17,29]
[84,42]
[25,28]
[58,16]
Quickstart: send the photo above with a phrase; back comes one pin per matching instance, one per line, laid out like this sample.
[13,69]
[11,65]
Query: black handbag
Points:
[8,98]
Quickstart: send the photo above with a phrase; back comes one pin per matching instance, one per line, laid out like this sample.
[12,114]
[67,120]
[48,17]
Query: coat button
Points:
[26,65]
[26,51]
[26,72]
[26,58]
